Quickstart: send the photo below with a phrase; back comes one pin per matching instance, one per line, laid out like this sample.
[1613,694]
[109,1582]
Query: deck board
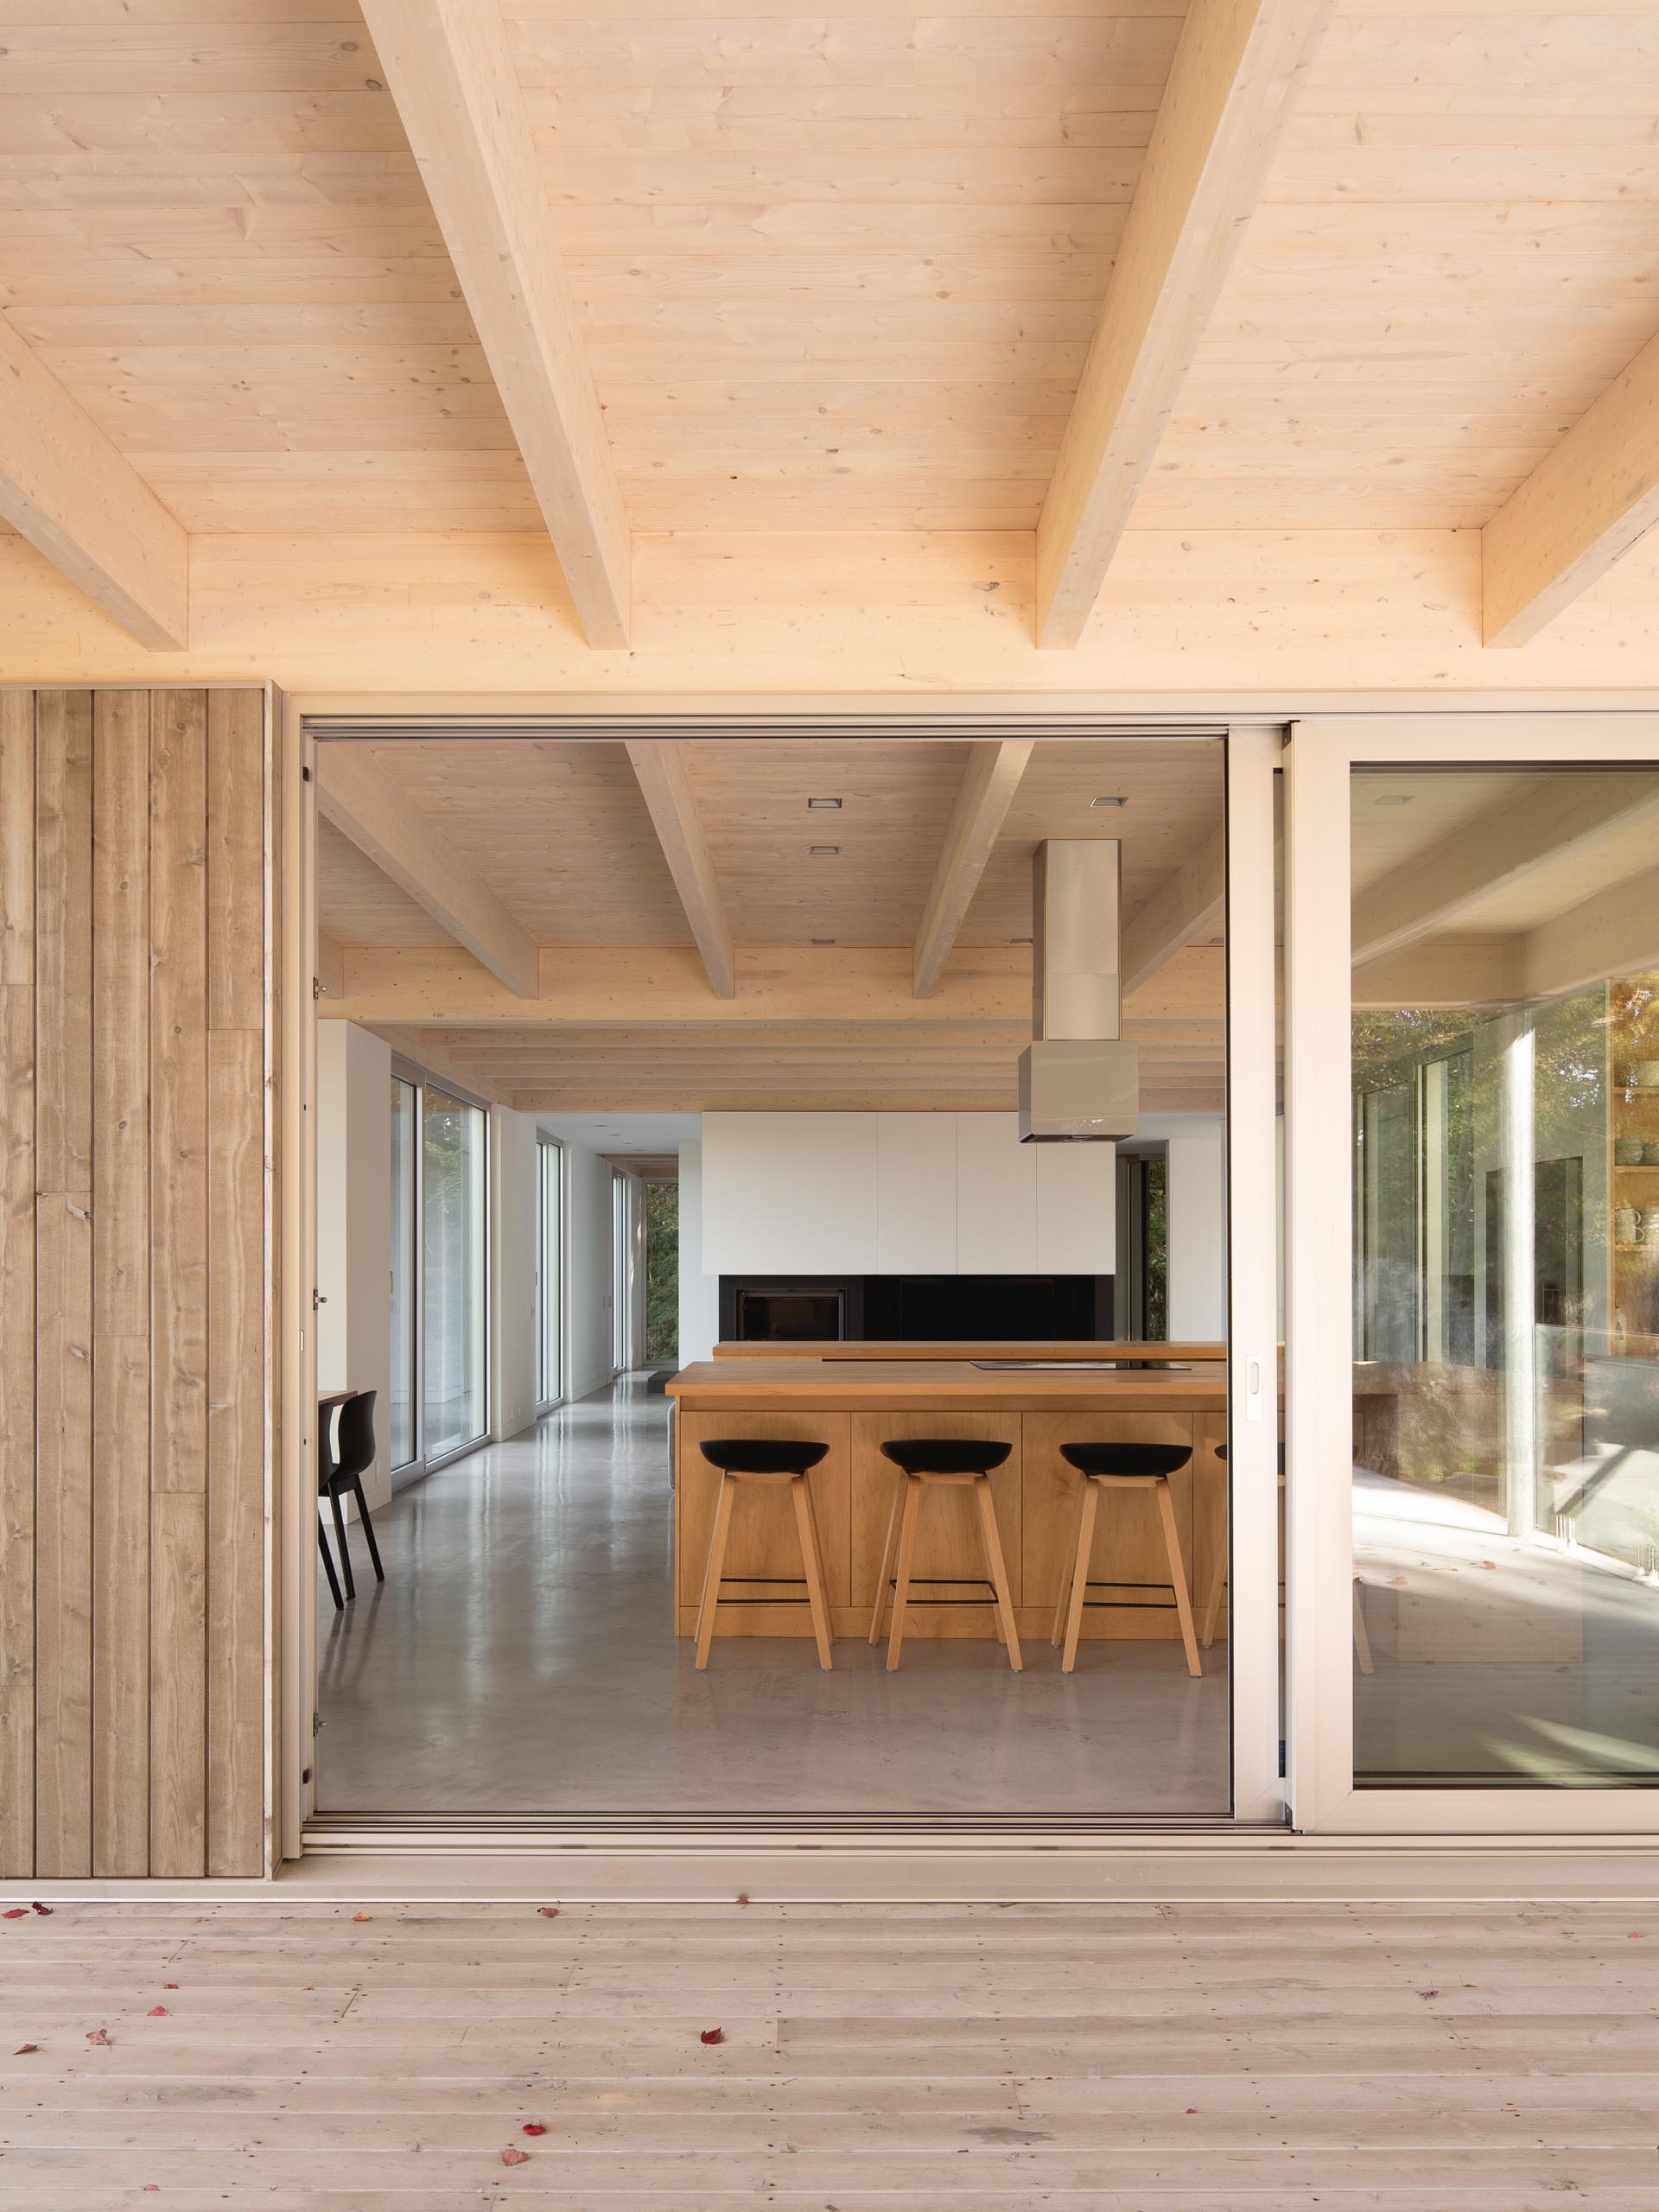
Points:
[1122,2058]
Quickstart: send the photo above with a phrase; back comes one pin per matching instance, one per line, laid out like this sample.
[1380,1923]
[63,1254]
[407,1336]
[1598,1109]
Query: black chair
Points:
[772,1462]
[340,1473]
[1121,1467]
[925,1463]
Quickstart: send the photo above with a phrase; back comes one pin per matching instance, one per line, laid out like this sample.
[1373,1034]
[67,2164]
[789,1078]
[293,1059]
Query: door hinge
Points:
[318,989]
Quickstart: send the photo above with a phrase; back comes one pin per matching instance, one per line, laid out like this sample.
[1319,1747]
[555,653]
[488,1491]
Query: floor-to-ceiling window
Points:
[404,1271]
[549,1270]
[454,1184]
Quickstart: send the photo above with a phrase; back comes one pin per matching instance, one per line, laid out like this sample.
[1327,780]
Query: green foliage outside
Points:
[662,1273]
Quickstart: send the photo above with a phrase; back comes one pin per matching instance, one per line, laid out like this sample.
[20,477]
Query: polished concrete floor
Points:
[518,1659]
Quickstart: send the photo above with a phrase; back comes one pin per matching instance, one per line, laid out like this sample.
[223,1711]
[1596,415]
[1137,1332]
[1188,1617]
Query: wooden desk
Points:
[855,1404]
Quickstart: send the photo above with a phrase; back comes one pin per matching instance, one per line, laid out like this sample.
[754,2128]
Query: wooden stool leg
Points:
[888,1551]
[1178,1578]
[1063,1595]
[906,1553]
[1362,1641]
[1212,1610]
[998,1566]
[814,1567]
[1087,1505]
[710,1604]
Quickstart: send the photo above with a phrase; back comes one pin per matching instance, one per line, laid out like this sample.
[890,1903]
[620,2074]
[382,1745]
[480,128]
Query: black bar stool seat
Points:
[924,1462]
[770,1460]
[1121,1466]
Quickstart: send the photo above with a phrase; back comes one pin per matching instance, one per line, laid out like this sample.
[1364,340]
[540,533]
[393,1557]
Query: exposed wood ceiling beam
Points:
[1613,932]
[452,75]
[1430,893]
[1230,91]
[1583,507]
[989,784]
[666,786]
[1188,905]
[628,984]
[78,500]
[358,796]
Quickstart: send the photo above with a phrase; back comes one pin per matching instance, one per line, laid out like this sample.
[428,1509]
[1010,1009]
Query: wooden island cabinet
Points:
[855,1405]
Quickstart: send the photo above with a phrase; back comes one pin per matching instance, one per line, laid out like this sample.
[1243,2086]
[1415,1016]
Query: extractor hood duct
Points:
[1079,1083]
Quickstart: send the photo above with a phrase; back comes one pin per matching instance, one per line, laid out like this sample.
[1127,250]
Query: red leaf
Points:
[513,2157]
[362,1915]
[1191,2110]
[742,1897]
[169,1985]
[712,2035]
[45,1910]
[23,2050]
[548,1911]
[98,2035]
[15,1912]
[534,2127]
[158,2013]
[1428,1993]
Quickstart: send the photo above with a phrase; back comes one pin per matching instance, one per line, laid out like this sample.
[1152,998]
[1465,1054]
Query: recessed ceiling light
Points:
[828,805]
[827,852]
[1392,798]
[824,940]
[1107,800]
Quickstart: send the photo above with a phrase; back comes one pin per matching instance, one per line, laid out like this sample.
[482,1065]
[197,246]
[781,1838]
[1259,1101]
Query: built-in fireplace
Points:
[912,1309]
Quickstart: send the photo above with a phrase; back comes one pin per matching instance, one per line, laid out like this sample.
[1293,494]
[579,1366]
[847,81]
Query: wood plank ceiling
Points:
[841,270]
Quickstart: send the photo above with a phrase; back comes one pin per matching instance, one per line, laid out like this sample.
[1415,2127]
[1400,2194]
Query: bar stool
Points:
[952,1462]
[1121,1466]
[770,1460]
[1218,1582]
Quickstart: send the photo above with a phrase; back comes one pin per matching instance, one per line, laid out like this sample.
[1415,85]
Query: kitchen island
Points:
[853,1406]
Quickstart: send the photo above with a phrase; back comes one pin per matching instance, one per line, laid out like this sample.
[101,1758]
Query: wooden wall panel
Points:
[121,1282]
[17,1344]
[137,1365]
[63,1282]
[178,1283]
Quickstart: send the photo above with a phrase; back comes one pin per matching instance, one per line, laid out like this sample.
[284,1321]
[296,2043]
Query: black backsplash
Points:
[908,1309]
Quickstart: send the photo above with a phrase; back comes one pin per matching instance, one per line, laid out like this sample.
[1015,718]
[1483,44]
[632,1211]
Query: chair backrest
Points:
[355,1452]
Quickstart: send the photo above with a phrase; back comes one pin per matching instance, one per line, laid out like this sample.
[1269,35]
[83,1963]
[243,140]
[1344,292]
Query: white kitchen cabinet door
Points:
[789,1193]
[1076,1209]
[916,1194]
[996,1197]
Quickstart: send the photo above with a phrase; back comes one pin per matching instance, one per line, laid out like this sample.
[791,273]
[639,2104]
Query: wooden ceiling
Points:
[829,272]
[824,1011]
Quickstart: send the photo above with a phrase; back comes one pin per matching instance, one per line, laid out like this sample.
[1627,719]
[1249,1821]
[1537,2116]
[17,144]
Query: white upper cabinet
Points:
[996,1197]
[916,1194]
[790,1192]
[1076,1209]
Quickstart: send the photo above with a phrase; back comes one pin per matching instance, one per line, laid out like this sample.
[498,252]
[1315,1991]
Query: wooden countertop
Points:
[881,1348]
[875,1383]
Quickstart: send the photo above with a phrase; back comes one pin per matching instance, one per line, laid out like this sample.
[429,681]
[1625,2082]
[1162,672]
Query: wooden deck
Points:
[903,2059]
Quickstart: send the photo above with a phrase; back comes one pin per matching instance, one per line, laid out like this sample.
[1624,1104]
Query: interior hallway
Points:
[518,1659]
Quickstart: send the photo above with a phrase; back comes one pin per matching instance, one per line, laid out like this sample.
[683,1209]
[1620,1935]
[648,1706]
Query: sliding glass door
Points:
[549,1271]
[1474,1148]
[405,1272]
[453,1231]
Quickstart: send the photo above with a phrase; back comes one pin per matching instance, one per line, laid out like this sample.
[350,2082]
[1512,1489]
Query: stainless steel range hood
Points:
[1079,1083]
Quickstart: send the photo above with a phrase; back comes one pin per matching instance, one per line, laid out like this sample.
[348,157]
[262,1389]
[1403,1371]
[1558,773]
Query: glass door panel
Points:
[454,1241]
[549,1270]
[405,1287]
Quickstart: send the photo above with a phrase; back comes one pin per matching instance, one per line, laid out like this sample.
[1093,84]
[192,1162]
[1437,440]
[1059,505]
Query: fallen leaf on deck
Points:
[1490,1563]
[534,2127]
[169,1985]
[712,2035]
[23,2050]
[15,1912]
[513,2157]
[1396,1582]
[362,1915]
[98,2035]
[548,1911]
[45,1910]
[742,1897]
[158,2013]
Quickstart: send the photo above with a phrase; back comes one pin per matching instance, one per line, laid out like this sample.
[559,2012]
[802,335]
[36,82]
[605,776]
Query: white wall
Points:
[699,1292]
[897,1194]
[1196,1215]
[512,1272]
[354,1226]
[589,1271]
